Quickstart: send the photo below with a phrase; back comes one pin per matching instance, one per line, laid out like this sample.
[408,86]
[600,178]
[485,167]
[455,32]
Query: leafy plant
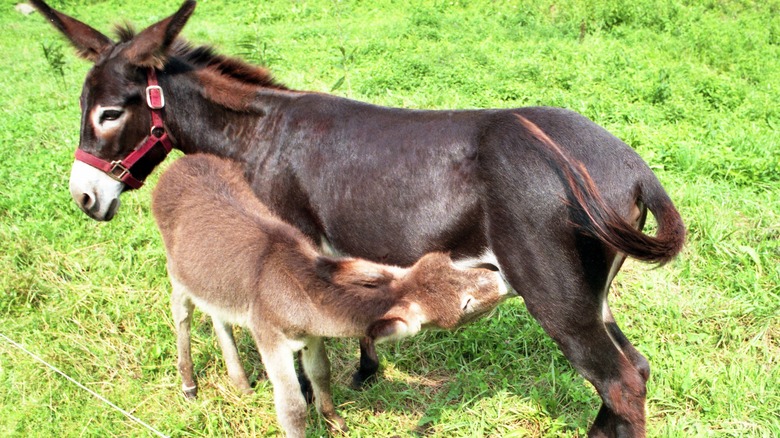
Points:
[345,60]
[253,49]
[55,57]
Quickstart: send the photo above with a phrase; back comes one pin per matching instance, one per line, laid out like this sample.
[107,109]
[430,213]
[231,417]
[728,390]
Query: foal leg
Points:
[182,308]
[280,368]
[227,343]
[317,367]
[369,364]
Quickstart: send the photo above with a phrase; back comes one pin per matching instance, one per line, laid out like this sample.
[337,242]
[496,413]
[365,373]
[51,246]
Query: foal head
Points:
[433,293]
[451,296]
[115,114]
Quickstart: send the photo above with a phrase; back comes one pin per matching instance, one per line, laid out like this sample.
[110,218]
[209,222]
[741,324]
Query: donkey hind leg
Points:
[279,362]
[638,217]
[369,364]
[606,422]
[622,342]
[227,343]
[633,355]
[584,339]
[182,308]
[573,314]
[317,367]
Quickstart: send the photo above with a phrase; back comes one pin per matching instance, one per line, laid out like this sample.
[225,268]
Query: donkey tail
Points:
[604,223]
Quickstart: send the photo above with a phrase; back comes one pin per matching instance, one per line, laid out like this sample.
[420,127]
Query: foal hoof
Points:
[190,393]
[337,425]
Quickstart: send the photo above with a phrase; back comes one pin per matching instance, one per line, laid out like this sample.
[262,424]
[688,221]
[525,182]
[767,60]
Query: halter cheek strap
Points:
[120,169]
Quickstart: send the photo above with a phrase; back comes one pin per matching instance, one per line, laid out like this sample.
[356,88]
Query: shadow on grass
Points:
[495,376]
[499,375]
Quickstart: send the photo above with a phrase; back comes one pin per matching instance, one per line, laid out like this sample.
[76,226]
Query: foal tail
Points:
[603,222]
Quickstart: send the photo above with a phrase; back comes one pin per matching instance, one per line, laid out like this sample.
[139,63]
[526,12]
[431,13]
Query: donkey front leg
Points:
[279,364]
[317,367]
[227,343]
[369,364]
[182,307]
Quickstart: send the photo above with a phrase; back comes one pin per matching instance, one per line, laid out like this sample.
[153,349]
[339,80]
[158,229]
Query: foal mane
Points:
[229,81]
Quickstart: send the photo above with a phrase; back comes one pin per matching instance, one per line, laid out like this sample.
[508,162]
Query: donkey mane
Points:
[206,57]
[124,32]
[233,68]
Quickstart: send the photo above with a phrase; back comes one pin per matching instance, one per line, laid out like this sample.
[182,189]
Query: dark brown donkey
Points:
[234,259]
[554,199]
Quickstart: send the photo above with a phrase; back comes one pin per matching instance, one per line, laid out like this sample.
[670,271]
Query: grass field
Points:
[694,86]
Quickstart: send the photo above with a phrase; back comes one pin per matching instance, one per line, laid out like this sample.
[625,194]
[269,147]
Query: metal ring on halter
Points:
[158,89]
[117,164]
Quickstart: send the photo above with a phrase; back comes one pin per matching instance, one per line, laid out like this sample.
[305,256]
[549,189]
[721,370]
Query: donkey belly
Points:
[401,232]
[232,316]
[387,185]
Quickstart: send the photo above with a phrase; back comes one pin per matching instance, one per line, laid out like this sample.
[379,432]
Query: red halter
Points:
[120,169]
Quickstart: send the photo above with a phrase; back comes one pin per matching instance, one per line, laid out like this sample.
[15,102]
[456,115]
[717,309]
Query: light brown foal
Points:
[230,256]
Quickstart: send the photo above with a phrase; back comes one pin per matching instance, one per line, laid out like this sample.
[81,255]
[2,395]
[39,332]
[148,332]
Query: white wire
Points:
[100,397]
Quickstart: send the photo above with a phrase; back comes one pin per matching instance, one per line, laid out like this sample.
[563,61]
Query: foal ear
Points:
[394,326]
[387,329]
[354,272]
[149,48]
[89,43]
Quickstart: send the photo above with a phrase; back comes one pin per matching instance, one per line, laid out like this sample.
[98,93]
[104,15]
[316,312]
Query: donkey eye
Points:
[110,115]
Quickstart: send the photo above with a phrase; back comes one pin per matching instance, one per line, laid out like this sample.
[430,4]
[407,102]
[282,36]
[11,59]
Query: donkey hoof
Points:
[361,380]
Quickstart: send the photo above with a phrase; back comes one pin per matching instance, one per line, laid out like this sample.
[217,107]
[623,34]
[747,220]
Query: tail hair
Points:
[601,221]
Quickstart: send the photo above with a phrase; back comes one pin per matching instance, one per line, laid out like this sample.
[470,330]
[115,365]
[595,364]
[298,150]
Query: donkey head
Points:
[115,106]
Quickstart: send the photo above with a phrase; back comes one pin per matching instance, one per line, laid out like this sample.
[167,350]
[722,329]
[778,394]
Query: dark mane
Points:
[234,68]
[124,32]
[205,57]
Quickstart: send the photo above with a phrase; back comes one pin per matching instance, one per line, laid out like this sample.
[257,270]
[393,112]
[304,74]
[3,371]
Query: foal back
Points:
[208,216]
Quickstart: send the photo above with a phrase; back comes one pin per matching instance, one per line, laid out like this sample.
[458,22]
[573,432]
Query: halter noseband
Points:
[120,169]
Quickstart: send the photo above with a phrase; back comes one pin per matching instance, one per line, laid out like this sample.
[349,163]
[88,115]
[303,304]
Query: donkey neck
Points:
[199,122]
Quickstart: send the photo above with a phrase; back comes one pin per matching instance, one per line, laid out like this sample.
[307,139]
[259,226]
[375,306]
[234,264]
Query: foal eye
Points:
[110,115]
[466,305]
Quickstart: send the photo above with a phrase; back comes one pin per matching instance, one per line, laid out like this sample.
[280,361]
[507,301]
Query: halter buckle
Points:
[155,97]
[124,171]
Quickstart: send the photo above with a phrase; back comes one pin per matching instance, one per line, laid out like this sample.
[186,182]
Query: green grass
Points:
[692,85]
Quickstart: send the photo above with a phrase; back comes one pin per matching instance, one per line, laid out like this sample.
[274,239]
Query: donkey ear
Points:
[89,43]
[354,272]
[148,48]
